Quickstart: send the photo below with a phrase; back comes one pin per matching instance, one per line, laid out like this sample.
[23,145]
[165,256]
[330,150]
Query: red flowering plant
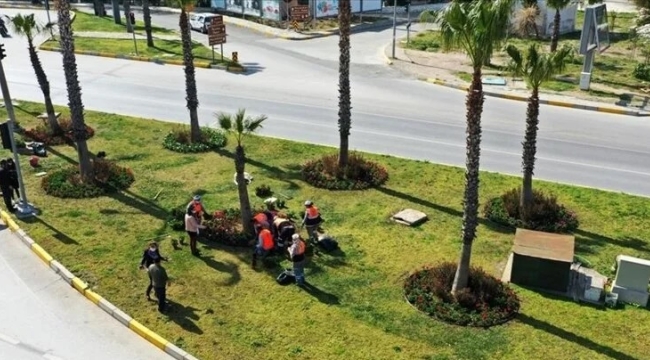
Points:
[360,174]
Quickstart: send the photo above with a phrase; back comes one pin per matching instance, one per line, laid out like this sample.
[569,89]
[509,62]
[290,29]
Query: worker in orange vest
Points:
[197,207]
[263,219]
[312,219]
[264,243]
[298,258]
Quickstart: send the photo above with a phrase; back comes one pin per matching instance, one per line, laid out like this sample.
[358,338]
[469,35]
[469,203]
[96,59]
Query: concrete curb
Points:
[603,109]
[83,288]
[203,65]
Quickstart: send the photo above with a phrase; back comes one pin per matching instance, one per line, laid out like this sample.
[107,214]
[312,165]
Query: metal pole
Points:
[49,21]
[394,25]
[24,208]
[408,23]
[213,55]
[135,43]
[221,52]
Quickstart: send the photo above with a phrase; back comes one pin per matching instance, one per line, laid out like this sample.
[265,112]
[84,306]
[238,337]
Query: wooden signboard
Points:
[217,31]
[300,12]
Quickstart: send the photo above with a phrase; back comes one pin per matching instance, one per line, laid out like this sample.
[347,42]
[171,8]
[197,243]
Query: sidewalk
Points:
[441,76]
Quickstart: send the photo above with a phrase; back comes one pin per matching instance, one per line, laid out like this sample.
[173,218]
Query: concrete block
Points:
[28,241]
[107,306]
[21,233]
[44,255]
[122,317]
[157,340]
[190,357]
[631,296]
[92,296]
[175,352]
[410,217]
[632,273]
[65,274]
[79,285]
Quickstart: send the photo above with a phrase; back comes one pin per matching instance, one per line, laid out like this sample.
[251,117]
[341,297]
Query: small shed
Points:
[542,260]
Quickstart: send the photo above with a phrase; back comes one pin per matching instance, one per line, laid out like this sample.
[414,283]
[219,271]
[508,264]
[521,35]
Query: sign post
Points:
[595,36]
[217,34]
[299,13]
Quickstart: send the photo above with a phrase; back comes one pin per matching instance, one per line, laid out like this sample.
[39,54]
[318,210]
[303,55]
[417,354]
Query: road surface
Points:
[43,318]
[295,84]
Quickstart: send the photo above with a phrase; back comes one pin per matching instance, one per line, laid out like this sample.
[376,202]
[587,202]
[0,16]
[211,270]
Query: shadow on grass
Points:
[184,316]
[320,295]
[288,177]
[32,113]
[57,234]
[576,339]
[444,209]
[225,267]
[587,241]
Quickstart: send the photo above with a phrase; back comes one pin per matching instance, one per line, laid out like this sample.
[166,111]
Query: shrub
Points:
[545,213]
[642,72]
[263,191]
[360,173]
[223,226]
[178,140]
[485,302]
[42,133]
[108,177]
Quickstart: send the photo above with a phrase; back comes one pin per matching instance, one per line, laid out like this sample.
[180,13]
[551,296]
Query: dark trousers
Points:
[150,286]
[161,294]
[193,236]
[6,196]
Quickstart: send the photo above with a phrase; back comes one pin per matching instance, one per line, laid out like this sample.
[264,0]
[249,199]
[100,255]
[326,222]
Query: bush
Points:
[360,173]
[642,72]
[223,226]
[108,177]
[545,214]
[263,191]
[485,302]
[178,140]
[42,133]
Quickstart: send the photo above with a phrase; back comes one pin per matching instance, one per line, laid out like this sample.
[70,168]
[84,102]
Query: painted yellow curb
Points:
[79,285]
[175,62]
[560,103]
[149,335]
[611,111]
[11,224]
[235,69]
[92,296]
[47,258]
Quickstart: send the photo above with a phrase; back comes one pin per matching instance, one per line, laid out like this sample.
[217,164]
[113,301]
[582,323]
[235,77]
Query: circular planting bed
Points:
[107,177]
[485,302]
[360,173]
[43,134]
[545,214]
[178,140]
[223,226]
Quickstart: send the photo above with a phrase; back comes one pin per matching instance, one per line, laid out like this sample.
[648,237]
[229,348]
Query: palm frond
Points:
[225,121]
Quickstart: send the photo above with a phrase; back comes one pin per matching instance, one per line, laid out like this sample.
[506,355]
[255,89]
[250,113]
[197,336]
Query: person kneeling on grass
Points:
[192,226]
[283,229]
[264,243]
[297,254]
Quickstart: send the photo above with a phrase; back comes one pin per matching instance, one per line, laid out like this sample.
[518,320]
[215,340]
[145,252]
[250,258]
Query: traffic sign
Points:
[300,12]
[217,31]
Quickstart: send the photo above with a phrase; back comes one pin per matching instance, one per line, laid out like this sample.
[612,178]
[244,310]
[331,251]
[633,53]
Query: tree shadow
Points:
[57,234]
[278,173]
[184,316]
[588,240]
[251,69]
[32,113]
[574,338]
[444,209]
[321,295]
[332,259]
[225,267]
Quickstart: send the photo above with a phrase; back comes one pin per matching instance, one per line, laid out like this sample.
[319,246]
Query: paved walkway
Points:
[43,318]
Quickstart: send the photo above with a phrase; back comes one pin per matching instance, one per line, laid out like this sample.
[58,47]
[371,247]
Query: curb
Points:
[83,288]
[603,109]
[202,65]
[270,32]
[20,6]
[387,59]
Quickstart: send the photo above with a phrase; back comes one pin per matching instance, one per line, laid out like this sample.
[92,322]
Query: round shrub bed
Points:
[43,134]
[360,173]
[485,302]
[178,140]
[223,226]
[108,177]
[546,214]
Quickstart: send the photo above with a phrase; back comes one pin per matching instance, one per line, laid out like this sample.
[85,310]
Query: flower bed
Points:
[223,226]
[546,214]
[360,173]
[485,302]
[43,134]
[107,177]
[178,140]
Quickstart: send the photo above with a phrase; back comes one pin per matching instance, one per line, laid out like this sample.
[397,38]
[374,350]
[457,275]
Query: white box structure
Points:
[632,278]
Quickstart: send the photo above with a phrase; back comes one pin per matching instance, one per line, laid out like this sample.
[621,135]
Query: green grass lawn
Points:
[225,310]
[163,49]
[89,22]
[613,68]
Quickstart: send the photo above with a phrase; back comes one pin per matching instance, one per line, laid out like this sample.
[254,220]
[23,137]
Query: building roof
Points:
[543,245]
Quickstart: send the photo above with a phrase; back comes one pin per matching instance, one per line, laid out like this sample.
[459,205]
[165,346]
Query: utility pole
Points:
[23,208]
[394,25]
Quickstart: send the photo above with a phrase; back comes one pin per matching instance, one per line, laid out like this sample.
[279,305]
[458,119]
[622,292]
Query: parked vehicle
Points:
[201,22]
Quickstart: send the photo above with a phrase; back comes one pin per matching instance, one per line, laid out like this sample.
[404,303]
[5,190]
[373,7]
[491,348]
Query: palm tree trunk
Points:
[345,102]
[44,84]
[98,6]
[242,187]
[474,104]
[116,11]
[127,11]
[555,37]
[530,149]
[66,41]
[146,12]
[190,78]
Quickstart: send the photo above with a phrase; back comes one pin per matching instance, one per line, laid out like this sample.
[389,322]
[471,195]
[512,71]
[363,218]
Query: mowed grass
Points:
[222,309]
[88,22]
[163,49]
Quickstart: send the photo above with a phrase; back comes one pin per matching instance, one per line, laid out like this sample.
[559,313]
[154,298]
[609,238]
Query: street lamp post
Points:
[394,25]
[23,208]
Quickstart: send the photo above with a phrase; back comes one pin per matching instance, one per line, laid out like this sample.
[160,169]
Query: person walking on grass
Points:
[160,279]
[192,226]
[298,258]
[5,186]
[13,177]
[151,253]
[312,220]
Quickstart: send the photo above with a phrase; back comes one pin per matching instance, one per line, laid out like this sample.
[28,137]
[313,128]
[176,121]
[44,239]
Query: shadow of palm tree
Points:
[56,233]
[322,296]
[225,267]
[588,240]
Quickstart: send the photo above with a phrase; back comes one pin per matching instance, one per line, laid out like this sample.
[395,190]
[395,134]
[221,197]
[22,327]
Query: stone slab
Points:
[631,296]
[632,273]
[492,80]
[410,217]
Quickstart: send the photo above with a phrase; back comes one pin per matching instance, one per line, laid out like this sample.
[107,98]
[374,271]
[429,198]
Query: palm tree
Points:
[345,106]
[240,125]
[146,13]
[525,22]
[28,27]
[476,27]
[127,12]
[558,5]
[536,68]
[79,133]
[116,11]
[190,74]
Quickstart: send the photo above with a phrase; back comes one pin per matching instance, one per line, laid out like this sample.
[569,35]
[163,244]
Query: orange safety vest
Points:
[267,239]
[312,212]
[261,218]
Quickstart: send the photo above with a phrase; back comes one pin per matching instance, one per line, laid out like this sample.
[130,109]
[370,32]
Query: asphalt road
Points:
[295,84]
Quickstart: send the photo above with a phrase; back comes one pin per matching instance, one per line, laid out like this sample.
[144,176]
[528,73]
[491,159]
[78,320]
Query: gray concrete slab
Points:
[43,318]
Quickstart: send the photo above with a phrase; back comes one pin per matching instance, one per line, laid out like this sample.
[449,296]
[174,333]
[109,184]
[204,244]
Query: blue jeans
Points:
[299,272]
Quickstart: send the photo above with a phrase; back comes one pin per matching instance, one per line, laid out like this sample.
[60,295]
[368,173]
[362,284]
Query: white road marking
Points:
[51,357]
[9,340]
